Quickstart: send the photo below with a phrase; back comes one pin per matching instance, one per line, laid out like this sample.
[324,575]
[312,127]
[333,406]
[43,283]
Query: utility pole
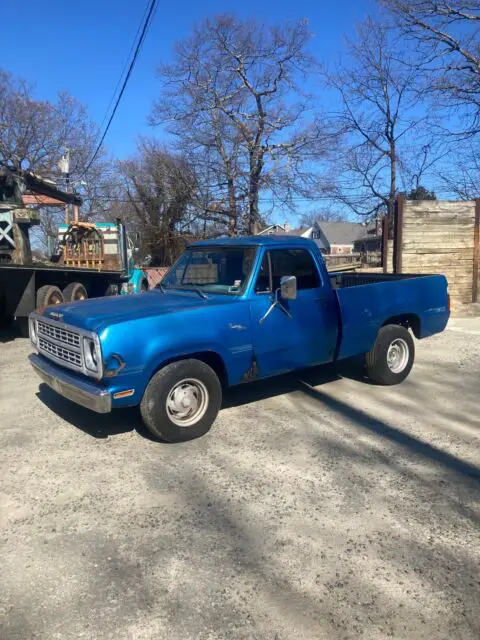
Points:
[64,166]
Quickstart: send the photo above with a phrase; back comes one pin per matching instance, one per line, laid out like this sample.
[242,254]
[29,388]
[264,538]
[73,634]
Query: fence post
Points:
[476,251]
[398,234]
[385,228]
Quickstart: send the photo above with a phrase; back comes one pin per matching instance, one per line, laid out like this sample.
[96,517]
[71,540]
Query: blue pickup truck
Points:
[230,311]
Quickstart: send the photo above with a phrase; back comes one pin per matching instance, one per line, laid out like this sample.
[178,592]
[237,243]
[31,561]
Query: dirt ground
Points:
[319,506]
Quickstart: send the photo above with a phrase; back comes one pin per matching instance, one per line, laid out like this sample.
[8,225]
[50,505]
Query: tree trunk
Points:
[232,221]
[393,180]
[256,166]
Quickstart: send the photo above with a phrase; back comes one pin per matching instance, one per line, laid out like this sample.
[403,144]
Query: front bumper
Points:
[69,386]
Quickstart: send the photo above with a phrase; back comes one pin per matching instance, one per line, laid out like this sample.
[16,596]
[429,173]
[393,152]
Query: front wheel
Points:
[181,401]
[391,358]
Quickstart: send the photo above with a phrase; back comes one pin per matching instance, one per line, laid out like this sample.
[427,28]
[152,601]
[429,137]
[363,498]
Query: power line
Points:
[264,199]
[124,69]
[140,42]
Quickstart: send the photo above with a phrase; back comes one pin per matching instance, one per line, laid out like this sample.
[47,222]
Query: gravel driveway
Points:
[318,506]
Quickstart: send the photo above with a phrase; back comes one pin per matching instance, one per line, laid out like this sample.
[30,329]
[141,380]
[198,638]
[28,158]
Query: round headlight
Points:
[90,354]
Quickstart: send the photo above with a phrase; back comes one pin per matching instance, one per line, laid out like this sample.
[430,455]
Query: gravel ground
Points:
[318,506]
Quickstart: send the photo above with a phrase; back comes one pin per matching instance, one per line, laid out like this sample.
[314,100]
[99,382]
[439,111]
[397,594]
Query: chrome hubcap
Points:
[187,402]
[397,355]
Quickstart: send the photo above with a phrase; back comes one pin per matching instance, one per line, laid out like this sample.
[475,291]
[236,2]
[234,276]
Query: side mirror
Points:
[288,287]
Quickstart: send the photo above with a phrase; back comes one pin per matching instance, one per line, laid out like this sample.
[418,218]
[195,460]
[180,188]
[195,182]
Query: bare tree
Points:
[379,113]
[232,98]
[321,215]
[159,191]
[447,33]
[34,134]
[461,177]
[419,163]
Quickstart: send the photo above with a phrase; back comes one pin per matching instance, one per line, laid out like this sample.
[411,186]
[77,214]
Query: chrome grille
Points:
[60,353]
[61,335]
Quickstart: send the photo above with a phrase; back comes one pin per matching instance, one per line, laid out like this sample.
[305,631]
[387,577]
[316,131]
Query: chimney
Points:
[286,225]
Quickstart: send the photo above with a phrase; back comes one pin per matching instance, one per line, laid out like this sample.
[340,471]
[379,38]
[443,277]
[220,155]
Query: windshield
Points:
[211,269]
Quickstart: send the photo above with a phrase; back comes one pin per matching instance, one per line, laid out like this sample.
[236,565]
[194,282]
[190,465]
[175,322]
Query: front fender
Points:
[147,344]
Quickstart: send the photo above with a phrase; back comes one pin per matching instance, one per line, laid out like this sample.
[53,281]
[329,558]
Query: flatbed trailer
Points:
[93,261]
[20,285]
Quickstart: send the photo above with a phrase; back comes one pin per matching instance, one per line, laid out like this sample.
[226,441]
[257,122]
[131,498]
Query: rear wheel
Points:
[74,291]
[391,358]
[182,401]
[48,296]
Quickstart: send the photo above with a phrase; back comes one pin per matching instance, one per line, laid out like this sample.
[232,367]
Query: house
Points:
[284,230]
[371,241]
[334,237]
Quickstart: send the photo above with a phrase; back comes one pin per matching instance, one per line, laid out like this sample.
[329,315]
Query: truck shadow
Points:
[352,368]
[96,425]
[308,381]
[8,333]
[129,419]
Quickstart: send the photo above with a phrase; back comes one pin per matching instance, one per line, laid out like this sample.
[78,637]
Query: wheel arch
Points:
[212,358]
[408,320]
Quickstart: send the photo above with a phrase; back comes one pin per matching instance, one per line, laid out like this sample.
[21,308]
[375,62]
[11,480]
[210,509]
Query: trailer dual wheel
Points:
[111,290]
[391,358]
[48,296]
[74,291]
[181,401]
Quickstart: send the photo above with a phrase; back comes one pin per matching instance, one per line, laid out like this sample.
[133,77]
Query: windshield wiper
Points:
[183,288]
[201,293]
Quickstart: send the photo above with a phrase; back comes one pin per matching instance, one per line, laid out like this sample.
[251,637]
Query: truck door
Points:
[307,334]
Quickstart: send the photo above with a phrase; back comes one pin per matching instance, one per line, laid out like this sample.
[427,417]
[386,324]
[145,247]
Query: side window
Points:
[263,279]
[294,262]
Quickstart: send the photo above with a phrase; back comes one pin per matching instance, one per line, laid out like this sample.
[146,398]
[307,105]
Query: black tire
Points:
[111,290]
[48,296]
[378,367]
[74,292]
[154,402]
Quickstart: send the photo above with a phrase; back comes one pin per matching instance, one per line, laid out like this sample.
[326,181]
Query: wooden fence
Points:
[435,236]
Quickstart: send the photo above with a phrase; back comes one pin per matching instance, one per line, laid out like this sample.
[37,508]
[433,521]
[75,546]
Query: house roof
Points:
[291,232]
[342,232]
[280,228]
[281,231]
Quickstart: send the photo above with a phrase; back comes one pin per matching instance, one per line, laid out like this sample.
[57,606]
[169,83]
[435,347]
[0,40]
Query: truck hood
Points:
[95,314]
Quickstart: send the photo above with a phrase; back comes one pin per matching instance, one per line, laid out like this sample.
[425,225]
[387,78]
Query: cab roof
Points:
[251,241]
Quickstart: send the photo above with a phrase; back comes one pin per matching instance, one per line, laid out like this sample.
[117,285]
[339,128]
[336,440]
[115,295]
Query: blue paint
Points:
[150,329]
[137,280]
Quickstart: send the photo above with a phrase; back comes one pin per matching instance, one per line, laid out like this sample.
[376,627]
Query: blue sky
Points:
[81,47]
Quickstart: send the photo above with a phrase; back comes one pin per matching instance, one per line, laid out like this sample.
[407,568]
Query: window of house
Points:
[287,262]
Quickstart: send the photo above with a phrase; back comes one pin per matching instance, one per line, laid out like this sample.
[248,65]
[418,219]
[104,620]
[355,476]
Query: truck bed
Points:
[341,280]
[367,301]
